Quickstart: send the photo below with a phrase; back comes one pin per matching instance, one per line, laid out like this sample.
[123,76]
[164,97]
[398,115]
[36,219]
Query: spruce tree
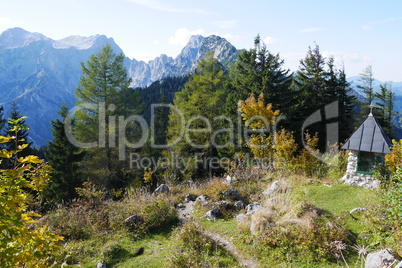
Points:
[257,71]
[338,89]
[63,157]
[367,87]
[385,100]
[200,102]
[104,92]
[21,137]
[3,121]
[161,118]
[310,85]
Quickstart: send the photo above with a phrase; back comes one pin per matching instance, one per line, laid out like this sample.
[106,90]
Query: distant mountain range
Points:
[40,74]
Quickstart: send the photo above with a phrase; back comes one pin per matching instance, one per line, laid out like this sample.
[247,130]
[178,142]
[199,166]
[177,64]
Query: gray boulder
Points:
[162,189]
[233,194]
[189,197]
[356,210]
[382,258]
[253,207]
[222,204]
[101,265]
[239,205]
[202,198]
[272,189]
[229,180]
[212,214]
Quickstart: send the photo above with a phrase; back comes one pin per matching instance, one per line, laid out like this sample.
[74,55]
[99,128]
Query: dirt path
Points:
[185,213]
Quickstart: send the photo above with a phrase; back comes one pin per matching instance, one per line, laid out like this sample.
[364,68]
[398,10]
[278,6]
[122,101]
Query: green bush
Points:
[195,250]
[393,205]
[70,222]
[313,243]
[159,215]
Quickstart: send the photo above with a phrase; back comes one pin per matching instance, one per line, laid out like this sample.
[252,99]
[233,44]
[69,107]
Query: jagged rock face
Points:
[40,74]
[144,74]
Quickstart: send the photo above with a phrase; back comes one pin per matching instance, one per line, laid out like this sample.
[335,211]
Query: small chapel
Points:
[368,146]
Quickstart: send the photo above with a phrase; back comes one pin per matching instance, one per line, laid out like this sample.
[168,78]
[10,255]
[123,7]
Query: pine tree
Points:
[63,157]
[310,85]
[161,119]
[104,91]
[257,71]
[21,137]
[367,87]
[385,100]
[339,90]
[199,102]
[3,121]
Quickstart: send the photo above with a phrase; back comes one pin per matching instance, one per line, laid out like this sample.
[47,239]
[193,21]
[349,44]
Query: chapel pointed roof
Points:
[369,137]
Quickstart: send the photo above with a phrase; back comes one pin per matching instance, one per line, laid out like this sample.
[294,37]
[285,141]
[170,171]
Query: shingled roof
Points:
[369,137]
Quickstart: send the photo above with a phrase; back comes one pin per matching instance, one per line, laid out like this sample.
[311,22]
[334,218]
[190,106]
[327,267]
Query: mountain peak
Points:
[81,42]
[18,37]
[190,51]
[195,40]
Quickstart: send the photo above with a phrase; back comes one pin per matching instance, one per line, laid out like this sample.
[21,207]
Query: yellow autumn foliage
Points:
[259,116]
[393,161]
[21,244]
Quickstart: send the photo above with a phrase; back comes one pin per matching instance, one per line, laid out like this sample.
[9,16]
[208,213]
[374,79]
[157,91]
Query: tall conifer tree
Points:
[104,92]
[200,102]
[21,137]
[63,157]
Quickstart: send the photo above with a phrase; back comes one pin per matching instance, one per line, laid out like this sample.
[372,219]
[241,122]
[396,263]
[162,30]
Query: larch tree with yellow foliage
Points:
[260,118]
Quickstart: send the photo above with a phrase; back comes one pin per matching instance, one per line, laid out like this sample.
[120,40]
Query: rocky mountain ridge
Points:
[40,74]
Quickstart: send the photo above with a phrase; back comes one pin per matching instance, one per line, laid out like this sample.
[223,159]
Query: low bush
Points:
[194,249]
[216,188]
[82,220]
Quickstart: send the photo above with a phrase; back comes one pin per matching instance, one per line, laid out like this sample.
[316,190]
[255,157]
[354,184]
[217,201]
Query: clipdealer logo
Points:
[115,135]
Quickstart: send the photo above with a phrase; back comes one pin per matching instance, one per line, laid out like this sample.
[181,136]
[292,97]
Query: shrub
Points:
[20,245]
[285,148]
[159,215]
[287,228]
[308,163]
[393,161]
[71,223]
[301,242]
[216,188]
[194,249]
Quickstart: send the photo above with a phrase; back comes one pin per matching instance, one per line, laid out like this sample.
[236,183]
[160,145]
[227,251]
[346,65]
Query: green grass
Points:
[336,201]
[223,227]
[339,200]
[156,249]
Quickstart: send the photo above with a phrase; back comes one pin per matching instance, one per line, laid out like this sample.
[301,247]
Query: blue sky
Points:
[357,33]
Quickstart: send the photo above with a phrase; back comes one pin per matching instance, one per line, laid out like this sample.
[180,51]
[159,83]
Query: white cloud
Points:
[154,4]
[269,40]
[155,42]
[182,36]
[346,57]
[369,26]
[311,30]
[225,24]
[4,21]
